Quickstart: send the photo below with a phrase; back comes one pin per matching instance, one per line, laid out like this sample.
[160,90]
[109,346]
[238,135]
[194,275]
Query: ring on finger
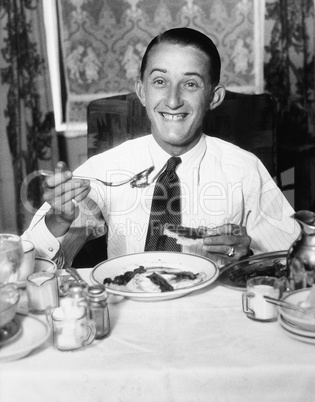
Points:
[231,252]
[74,202]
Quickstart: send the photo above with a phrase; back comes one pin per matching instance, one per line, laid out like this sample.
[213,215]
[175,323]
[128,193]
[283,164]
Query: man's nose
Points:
[174,97]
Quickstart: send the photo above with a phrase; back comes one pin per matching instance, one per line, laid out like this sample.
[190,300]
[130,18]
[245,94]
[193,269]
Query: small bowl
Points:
[9,298]
[296,318]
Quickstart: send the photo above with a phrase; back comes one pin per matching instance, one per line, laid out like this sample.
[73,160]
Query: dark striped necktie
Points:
[165,209]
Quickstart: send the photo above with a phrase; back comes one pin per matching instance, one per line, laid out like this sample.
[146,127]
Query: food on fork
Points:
[154,279]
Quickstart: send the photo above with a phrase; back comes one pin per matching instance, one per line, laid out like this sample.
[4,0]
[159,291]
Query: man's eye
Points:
[191,85]
[159,82]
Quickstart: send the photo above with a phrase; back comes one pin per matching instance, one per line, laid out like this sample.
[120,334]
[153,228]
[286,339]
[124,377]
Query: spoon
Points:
[75,274]
[290,306]
[139,180]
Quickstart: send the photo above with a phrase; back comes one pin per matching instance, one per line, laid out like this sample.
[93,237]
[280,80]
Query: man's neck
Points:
[174,149]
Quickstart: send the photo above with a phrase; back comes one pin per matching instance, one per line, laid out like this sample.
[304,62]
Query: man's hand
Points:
[230,241]
[63,194]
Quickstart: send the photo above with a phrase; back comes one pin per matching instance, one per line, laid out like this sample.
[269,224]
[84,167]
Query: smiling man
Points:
[177,88]
[221,193]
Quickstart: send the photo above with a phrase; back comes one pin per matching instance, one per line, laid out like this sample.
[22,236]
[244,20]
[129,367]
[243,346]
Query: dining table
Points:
[199,347]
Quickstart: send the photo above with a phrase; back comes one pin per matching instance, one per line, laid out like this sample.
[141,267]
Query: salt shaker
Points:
[97,301]
[77,291]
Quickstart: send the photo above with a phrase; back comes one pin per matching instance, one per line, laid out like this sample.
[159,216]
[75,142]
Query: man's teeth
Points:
[173,116]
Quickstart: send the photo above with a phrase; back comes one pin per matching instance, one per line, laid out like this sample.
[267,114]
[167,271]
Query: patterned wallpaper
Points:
[103,41]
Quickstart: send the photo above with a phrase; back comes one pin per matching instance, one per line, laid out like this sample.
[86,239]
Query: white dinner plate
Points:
[34,333]
[156,259]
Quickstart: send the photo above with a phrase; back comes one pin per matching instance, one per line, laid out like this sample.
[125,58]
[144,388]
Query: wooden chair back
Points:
[246,120]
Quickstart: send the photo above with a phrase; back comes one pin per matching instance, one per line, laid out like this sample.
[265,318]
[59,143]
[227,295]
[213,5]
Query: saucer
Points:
[296,333]
[295,328]
[10,332]
[34,333]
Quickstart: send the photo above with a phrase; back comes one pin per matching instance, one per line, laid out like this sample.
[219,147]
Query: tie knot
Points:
[172,163]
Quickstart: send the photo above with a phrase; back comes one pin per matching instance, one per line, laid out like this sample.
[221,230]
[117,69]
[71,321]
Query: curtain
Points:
[289,66]
[289,76]
[27,135]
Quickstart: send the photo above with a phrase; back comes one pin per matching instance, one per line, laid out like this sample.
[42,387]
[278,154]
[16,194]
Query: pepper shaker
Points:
[97,301]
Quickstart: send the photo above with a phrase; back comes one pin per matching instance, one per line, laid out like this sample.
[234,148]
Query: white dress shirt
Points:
[220,183]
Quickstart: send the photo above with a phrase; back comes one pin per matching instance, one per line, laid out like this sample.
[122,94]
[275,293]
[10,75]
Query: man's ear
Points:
[217,97]
[140,91]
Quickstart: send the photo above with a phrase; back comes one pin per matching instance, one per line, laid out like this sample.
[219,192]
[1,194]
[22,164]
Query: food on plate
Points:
[160,282]
[124,278]
[185,235]
[240,275]
[154,279]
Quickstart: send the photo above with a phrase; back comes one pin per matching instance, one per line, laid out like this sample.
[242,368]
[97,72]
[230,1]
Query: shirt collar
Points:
[191,159]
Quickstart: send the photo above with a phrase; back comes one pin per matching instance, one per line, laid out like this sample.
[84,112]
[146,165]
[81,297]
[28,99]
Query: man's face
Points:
[176,92]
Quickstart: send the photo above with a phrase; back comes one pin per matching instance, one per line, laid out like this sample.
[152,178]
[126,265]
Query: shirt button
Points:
[50,249]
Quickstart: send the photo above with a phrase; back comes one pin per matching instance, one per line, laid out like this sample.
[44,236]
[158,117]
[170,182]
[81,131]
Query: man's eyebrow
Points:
[189,73]
[161,70]
[192,73]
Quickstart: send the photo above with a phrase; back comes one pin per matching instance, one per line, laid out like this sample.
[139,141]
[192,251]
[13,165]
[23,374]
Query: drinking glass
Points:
[11,256]
[254,304]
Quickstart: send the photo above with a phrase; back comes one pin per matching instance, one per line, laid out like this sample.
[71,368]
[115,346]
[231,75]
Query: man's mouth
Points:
[174,117]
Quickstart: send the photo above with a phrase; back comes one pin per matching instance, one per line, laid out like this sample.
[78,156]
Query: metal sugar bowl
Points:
[301,254]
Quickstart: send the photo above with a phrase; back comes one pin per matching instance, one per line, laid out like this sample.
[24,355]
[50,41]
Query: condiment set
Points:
[81,317]
[78,313]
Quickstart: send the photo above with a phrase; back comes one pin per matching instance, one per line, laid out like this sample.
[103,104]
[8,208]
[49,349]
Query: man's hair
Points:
[188,37]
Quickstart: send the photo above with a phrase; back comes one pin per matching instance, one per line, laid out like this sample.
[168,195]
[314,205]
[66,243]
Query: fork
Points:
[139,180]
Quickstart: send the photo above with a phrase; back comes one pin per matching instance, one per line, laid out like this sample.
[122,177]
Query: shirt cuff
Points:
[46,244]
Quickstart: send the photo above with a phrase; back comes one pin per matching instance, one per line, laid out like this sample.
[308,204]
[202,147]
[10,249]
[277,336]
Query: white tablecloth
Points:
[197,348]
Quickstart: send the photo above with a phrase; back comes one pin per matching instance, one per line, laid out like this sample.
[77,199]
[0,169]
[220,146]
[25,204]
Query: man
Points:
[222,188]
